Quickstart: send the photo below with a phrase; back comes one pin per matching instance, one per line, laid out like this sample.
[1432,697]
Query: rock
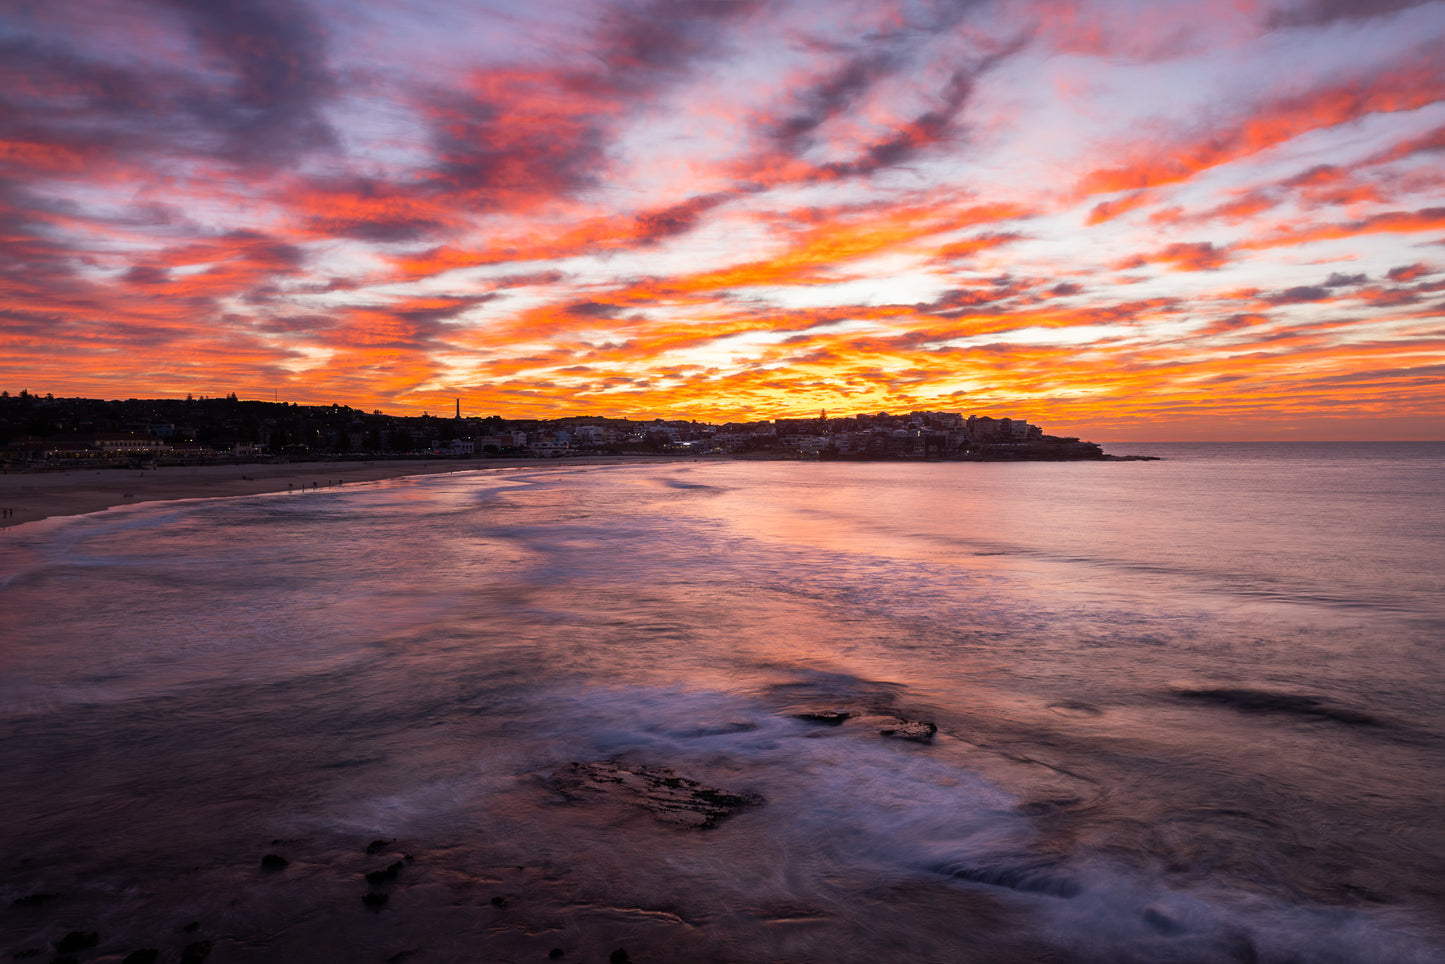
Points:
[377,877]
[917,731]
[34,900]
[668,797]
[1163,923]
[377,846]
[374,900]
[273,862]
[619,956]
[145,955]
[76,941]
[826,717]
[196,952]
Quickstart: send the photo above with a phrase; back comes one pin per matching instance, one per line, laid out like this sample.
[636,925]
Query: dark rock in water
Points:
[377,846]
[499,901]
[196,952]
[76,941]
[1163,923]
[1266,701]
[374,899]
[917,731]
[192,927]
[826,717]
[273,862]
[34,900]
[386,876]
[556,953]
[1043,808]
[146,955]
[668,797]
[619,956]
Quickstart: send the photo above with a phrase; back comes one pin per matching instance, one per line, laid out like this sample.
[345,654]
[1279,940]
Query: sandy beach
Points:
[32,495]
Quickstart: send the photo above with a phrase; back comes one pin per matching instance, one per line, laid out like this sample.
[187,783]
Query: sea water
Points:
[1188,710]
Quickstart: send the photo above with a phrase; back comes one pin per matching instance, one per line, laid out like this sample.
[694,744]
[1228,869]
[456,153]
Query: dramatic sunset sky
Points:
[1147,220]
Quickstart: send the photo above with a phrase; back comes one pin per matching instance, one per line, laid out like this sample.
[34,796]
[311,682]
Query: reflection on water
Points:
[1179,717]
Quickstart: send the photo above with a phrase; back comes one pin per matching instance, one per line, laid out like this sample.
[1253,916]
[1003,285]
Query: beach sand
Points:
[31,495]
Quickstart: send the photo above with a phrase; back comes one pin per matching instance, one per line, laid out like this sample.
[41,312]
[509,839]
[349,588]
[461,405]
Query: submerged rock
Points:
[1269,701]
[1029,875]
[76,941]
[386,876]
[918,731]
[658,790]
[196,952]
[826,717]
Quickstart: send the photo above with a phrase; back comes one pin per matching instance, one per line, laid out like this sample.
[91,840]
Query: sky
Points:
[1167,220]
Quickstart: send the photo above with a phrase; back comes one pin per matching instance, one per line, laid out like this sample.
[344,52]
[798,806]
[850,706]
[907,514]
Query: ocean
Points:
[1187,710]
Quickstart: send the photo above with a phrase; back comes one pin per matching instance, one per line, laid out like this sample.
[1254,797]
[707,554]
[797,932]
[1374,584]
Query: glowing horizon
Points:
[1121,221]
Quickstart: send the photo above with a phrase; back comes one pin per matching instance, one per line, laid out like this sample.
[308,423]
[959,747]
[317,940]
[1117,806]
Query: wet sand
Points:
[31,495]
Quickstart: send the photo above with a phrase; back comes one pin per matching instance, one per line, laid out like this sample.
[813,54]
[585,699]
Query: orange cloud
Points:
[1109,210]
[1402,88]
[1388,222]
[1181,256]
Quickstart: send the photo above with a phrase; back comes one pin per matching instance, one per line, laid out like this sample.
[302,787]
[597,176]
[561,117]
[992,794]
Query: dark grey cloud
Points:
[1408,272]
[433,315]
[679,218]
[495,150]
[261,248]
[833,94]
[276,53]
[295,324]
[877,58]
[593,309]
[643,42]
[253,97]
[147,274]
[30,260]
[1298,295]
[1319,13]
[1338,280]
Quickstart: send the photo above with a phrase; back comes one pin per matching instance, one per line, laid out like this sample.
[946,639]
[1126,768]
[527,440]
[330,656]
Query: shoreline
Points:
[30,496]
[33,496]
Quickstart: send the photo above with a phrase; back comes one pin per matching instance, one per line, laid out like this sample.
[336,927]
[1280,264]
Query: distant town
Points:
[45,430]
